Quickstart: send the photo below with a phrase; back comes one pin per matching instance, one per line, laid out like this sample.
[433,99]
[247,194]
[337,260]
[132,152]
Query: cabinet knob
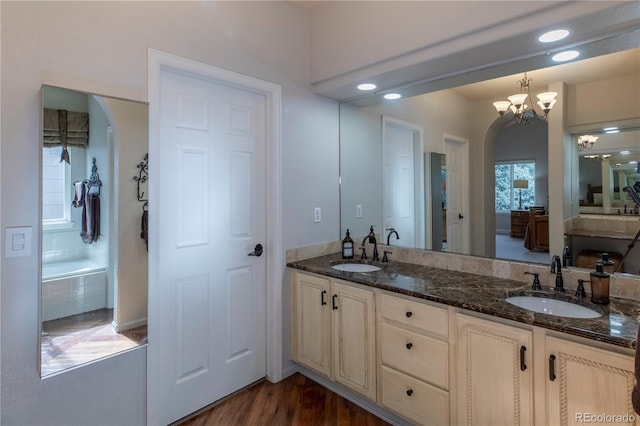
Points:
[409,392]
[409,314]
[409,345]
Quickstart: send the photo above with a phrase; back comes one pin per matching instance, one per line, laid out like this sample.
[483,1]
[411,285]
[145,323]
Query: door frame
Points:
[463,143]
[418,176]
[158,61]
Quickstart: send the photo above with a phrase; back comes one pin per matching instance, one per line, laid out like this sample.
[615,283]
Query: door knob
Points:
[257,251]
[460,216]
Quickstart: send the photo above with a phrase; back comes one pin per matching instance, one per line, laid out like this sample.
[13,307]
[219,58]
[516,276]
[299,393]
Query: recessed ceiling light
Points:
[625,152]
[552,36]
[633,162]
[610,132]
[567,55]
[608,129]
[392,96]
[366,86]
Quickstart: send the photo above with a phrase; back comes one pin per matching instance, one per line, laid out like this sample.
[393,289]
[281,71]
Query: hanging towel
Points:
[635,394]
[144,233]
[78,194]
[91,219]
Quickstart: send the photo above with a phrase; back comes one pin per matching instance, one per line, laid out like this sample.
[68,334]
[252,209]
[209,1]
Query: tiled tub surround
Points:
[481,285]
[72,287]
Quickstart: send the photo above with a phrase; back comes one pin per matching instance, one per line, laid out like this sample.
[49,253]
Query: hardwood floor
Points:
[71,341]
[296,400]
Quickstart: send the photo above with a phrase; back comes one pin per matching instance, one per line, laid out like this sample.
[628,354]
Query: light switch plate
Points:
[17,241]
[317,215]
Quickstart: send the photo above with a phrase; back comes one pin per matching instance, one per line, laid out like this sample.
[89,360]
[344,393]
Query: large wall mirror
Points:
[93,294]
[520,154]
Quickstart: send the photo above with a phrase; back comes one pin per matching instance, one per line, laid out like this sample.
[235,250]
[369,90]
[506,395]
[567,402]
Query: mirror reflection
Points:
[93,299]
[520,156]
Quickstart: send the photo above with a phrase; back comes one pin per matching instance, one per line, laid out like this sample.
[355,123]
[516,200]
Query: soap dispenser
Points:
[347,247]
[599,285]
[608,265]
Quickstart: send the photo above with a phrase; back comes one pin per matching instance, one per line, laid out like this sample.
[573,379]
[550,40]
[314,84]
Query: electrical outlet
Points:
[358,210]
[317,215]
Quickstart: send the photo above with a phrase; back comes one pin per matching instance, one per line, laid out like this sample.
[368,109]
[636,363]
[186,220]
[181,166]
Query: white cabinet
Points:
[585,382]
[495,385]
[333,331]
[310,322]
[414,359]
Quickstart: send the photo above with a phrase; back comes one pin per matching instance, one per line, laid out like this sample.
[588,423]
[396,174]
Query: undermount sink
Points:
[356,267]
[545,305]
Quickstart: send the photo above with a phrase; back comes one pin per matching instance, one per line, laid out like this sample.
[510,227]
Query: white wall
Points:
[101,47]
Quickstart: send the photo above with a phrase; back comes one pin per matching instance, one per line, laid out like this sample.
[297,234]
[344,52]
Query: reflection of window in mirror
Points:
[508,197]
[93,290]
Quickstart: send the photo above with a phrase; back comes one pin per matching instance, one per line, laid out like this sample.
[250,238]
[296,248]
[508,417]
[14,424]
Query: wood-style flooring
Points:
[78,339]
[296,400]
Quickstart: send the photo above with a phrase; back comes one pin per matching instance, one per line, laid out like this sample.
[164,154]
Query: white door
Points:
[400,185]
[457,196]
[211,213]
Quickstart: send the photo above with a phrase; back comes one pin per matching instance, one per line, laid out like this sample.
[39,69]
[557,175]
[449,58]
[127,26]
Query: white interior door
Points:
[457,195]
[210,331]
[401,195]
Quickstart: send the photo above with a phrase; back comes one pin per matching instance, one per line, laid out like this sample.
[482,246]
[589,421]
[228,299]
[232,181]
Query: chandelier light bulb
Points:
[502,106]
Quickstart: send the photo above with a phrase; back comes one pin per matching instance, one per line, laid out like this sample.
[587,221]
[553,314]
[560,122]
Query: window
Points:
[508,197]
[56,188]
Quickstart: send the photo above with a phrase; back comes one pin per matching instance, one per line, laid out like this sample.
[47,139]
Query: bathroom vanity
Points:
[438,346]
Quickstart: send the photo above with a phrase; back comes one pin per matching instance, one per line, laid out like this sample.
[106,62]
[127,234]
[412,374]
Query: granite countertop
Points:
[618,325]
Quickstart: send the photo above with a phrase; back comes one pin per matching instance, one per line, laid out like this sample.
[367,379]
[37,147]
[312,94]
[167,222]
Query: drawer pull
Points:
[409,345]
[333,302]
[409,314]
[523,366]
[409,392]
[323,297]
[552,367]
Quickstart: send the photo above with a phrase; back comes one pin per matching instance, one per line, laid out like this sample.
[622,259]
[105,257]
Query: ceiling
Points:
[599,68]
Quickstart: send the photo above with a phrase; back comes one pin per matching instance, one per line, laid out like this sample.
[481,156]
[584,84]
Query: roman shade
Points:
[65,128]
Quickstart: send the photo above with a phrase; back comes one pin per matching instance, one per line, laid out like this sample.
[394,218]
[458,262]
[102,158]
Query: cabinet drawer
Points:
[417,401]
[415,354]
[417,315]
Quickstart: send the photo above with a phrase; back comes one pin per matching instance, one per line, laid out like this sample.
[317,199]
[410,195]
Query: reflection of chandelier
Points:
[597,157]
[586,142]
[523,113]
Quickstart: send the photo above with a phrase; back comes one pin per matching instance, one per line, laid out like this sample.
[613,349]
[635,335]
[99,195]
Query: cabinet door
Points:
[587,383]
[311,322]
[354,339]
[494,373]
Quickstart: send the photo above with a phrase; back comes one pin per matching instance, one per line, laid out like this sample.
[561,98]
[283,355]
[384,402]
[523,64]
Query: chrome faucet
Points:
[372,240]
[392,231]
[556,268]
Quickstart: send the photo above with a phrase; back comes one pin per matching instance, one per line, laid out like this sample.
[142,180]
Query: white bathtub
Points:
[74,287]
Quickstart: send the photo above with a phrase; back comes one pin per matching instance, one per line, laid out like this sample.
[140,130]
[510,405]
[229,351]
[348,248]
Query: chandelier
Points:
[586,142]
[598,158]
[523,112]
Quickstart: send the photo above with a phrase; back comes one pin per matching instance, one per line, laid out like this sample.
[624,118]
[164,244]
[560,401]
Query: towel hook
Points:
[143,175]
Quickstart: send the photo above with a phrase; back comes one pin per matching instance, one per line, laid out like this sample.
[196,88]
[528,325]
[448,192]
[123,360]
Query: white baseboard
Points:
[119,328]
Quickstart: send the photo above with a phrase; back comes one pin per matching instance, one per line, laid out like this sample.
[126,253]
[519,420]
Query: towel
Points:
[91,219]
[635,394]
[144,234]
[78,194]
